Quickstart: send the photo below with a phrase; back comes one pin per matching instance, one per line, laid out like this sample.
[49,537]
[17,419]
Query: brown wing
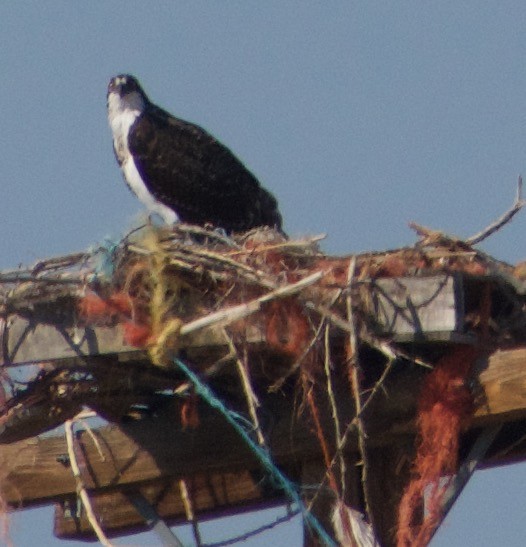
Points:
[200,179]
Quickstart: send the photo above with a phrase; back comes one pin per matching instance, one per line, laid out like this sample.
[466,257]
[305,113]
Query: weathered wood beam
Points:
[405,309]
[408,308]
[146,450]
[130,454]
[501,387]
[210,494]
[150,456]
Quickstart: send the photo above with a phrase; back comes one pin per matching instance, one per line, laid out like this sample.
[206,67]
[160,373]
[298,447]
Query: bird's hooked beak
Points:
[125,93]
[117,84]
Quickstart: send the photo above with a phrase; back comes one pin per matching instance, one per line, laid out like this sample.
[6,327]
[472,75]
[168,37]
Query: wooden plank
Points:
[123,461]
[153,454]
[500,386]
[143,451]
[404,308]
[139,452]
[24,342]
[209,493]
[408,308]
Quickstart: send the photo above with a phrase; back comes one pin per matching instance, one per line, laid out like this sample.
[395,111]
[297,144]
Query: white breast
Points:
[122,113]
[135,182]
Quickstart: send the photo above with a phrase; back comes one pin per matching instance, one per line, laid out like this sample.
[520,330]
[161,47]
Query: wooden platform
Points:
[66,366]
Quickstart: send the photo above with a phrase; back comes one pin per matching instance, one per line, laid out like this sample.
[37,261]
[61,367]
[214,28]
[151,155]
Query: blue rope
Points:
[104,255]
[233,419]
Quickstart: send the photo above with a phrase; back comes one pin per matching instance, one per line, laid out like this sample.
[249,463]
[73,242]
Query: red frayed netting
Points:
[117,308]
[94,308]
[287,327]
[445,404]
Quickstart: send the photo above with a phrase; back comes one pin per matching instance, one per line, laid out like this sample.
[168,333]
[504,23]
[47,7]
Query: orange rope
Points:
[445,403]
[321,438]
[443,407]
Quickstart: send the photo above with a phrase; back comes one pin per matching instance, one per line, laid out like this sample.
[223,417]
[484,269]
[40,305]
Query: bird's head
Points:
[125,93]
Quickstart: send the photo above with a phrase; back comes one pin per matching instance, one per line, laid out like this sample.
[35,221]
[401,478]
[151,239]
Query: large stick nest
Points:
[190,273]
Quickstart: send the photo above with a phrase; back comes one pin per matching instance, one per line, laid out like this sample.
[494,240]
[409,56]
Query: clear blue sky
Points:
[359,116]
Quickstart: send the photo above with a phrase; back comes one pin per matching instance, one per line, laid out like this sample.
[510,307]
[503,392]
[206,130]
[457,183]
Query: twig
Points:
[353,362]
[296,365]
[504,219]
[291,243]
[188,508]
[261,454]
[250,396]
[224,261]
[215,263]
[59,262]
[235,313]
[199,231]
[392,353]
[381,345]
[334,410]
[353,424]
[425,232]
[325,313]
[378,385]
[210,371]
[355,381]
[81,489]
[24,277]
[96,441]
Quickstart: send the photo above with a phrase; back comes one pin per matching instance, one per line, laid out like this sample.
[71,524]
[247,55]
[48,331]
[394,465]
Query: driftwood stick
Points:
[189,510]
[504,219]
[250,396]
[334,410]
[182,228]
[355,375]
[438,236]
[229,315]
[292,244]
[81,489]
[353,424]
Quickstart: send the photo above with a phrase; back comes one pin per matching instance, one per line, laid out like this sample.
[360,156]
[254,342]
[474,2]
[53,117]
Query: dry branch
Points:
[433,236]
[356,372]
[500,222]
[235,313]
[81,488]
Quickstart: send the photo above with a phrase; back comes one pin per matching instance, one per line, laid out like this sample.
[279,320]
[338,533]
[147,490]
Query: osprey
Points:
[178,170]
